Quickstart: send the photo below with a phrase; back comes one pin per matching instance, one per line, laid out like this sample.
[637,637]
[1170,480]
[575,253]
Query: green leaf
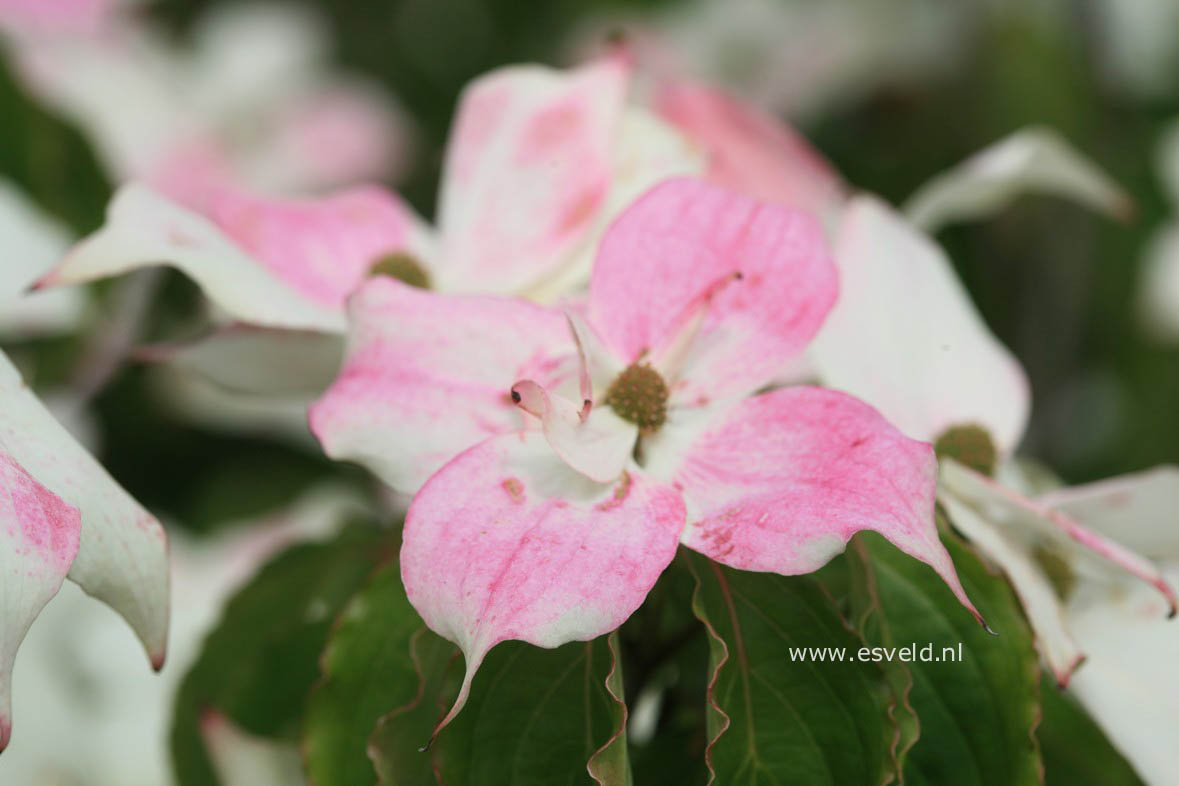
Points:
[977,715]
[534,716]
[1076,752]
[368,670]
[778,718]
[261,660]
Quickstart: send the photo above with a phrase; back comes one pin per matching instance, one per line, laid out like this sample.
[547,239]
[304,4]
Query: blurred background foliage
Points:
[1057,284]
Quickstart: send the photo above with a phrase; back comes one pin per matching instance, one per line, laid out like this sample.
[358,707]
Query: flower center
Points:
[403,267]
[639,395]
[970,446]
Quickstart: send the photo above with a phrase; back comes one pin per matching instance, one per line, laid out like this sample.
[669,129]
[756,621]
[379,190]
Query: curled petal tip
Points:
[1063,677]
[5,732]
[985,626]
[157,660]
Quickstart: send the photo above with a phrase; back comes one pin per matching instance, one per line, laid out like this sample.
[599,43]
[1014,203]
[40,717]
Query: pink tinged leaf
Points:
[750,151]
[527,172]
[39,535]
[668,252]
[784,479]
[906,338]
[1037,596]
[1137,510]
[427,376]
[506,542]
[122,557]
[1032,160]
[324,247]
[1055,525]
[598,446]
[143,229]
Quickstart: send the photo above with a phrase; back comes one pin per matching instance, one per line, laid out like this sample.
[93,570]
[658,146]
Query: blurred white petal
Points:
[1034,160]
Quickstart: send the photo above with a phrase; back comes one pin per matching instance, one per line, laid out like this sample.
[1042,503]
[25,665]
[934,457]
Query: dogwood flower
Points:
[566,456]
[539,162]
[62,516]
[906,338]
[250,104]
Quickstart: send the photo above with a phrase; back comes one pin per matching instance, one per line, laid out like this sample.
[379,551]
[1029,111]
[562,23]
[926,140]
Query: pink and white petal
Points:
[671,262]
[598,447]
[1129,682]
[39,535]
[1140,510]
[906,338]
[507,542]
[751,152]
[1041,605]
[143,229]
[1033,160]
[427,376]
[527,172]
[647,152]
[123,556]
[256,361]
[322,248]
[782,481]
[1039,525]
[333,134]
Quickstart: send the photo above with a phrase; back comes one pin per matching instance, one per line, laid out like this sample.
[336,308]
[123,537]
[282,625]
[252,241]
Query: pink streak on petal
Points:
[322,247]
[559,560]
[527,172]
[427,376]
[677,242]
[39,537]
[750,151]
[782,482]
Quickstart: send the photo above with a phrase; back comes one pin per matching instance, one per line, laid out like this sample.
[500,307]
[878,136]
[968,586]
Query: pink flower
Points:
[642,427]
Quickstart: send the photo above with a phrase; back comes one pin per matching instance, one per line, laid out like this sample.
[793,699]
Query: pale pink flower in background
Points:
[54,17]
[905,337]
[641,427]
[63,516]
[251,105]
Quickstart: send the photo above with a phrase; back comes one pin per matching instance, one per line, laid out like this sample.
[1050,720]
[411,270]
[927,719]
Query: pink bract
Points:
[542,529]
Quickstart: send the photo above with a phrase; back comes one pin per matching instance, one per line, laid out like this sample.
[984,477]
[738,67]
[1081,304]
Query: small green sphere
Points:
[402,267]
[969,445]
[639,395]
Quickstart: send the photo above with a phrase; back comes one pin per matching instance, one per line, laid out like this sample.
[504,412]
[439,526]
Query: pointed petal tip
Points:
[157,660]
[5,731]
[1065,675]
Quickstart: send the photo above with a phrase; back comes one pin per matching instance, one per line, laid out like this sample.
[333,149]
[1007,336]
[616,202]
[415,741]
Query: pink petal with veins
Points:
[506,542]
[750,151]
[324,247]
[427,376]
[662,260]
[39,536]
[527,172]
[782,481]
